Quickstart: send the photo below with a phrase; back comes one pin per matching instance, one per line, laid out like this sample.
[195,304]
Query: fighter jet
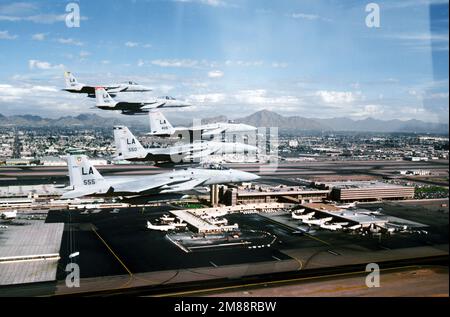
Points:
[296,216]
[106,102]
[160,227]
[160,126]
[8,215]
[317,222]
[129,148]
[346,206]
[332,226]
[85,180]
[73,86]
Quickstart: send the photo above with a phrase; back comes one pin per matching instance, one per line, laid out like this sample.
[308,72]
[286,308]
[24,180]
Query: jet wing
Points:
[163,185]
[185,186]
[149,105]
[91,89]
[158,104]
[139,186]
[113,89]
[172,152]
[201,154]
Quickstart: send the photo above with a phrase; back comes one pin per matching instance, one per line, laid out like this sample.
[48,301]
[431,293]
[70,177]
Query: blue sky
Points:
[312,58]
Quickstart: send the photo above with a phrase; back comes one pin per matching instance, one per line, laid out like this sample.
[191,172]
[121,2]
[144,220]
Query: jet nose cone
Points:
[247,177]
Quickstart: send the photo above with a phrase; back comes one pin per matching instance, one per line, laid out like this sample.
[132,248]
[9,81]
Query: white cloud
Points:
[44,100]
[43,89]
[187,63]
[356,85]
[441,95]
[17,8]
[137,44]
[308,16]
[215,74]
[423,41]
[195,84]
[204,63]
[105,62]
[70,41]
[131,44]
[10,93]
[4,35]
[165,88]
[207,98]
[427,37]
[39,36]
[212,3]
[243,63]
[279,65]
[336,97]
[412,111]
[39,18]
[305,16]
[84,54]
[368,111]
[35,64]
[259,97]
[412,92]
[29,12]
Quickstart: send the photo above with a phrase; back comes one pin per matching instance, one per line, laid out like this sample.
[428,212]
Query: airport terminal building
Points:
[232,196]
[348,191]
[367,191]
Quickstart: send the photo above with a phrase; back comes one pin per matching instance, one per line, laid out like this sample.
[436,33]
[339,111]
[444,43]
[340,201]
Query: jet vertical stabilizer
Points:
[159,125]
[84,177]
[71,81]
[127,145]
[104,100]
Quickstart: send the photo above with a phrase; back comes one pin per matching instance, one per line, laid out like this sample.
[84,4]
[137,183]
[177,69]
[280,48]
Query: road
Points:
[411,282]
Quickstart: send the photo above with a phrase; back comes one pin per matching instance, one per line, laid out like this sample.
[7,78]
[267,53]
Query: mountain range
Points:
[262,118]
[266,118]
[82,120]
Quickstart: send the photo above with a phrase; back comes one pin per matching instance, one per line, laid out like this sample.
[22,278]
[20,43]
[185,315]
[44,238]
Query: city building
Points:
[367,191]
[232,196]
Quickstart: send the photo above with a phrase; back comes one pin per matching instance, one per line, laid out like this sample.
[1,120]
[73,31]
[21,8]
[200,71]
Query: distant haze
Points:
[262,118]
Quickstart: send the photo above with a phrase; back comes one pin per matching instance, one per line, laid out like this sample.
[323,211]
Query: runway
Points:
[309,169]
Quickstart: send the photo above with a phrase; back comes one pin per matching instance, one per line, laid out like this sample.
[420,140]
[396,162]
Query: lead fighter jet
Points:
[106,102]
[85,180]
[160,126]
[73,86]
